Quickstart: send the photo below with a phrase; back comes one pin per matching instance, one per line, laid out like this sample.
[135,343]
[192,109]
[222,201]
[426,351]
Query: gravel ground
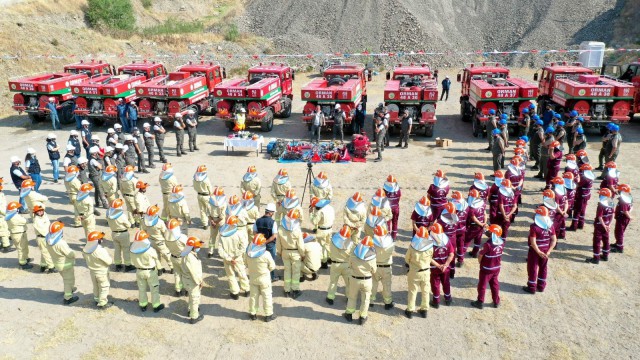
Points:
[586,311]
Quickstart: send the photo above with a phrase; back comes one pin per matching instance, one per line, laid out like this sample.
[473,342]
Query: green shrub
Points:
[232,33]
[174,26]
[55,42]
[147,4]
[111,14]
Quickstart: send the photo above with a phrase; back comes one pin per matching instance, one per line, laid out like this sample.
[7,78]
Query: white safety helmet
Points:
[73,133]
[111,131]
[94,150]
[82,160]
[146,125]
[242,110]
[15,159]
[190,112]
[31,151]
[95,137]
[117,126]
[178,115]
[157,119]
[119,146]
[51,99]
[84,122]
[337,106]
[51,136]
[71,147]
[108,149]
[128,137]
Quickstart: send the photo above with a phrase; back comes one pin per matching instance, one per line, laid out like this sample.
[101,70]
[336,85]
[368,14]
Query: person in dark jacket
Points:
[32,165]
[446,84]
[122,115]
[17,176]
[54,155]
[268,227]
[358,124]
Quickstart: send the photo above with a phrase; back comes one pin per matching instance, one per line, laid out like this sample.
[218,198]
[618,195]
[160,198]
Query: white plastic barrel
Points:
[591,54]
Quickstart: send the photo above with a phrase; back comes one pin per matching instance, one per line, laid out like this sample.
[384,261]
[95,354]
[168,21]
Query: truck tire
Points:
[65,114]
[98,121]
[286,111]
[477,131]
[267,122]
[428,130]
[230,125]
[464,116]
[36,118]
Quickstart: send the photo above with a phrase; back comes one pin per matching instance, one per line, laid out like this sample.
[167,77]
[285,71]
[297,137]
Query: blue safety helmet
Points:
[560,123]
[525,138]
[610,125]
[525,111]
[504,116]
[496,131]
[503,122]
[580,118]
[539,122]
[580,131]
[535,117]
[532,106]
[492,111]
[549,130]
[557,116]
[615,127]
[573,113]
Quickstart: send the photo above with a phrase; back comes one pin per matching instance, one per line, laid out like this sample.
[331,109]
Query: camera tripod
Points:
[308,181]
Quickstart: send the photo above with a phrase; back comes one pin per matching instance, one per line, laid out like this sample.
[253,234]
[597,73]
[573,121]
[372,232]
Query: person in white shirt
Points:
[317,123]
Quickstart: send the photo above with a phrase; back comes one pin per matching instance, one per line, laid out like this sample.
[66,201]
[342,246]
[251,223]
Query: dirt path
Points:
[587,311]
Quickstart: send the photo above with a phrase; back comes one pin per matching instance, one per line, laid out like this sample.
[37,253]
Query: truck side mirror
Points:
[293,75]
[388,75]
[369,76]
[224,73]
[459,77]
[535,77]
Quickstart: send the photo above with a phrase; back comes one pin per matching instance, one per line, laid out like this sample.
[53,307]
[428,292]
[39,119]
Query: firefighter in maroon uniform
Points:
[480,184]
[475,222]
[443,252]
[438,192]
[490,258]
[622,216]
[422,214]
[583,194]
[506,207]
[448,220]
[462,211]
[523,170]
[393,192]
[553,164]
[611,177]
[498,177]
[582,158]
[601,227]
[570,185]
[571,167]
[560,195]
[549,201]
[515,175]
[542,239]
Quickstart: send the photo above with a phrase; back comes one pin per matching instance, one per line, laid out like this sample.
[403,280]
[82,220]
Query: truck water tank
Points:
[591,54]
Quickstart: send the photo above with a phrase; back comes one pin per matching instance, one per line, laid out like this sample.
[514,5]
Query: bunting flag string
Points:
[366,53]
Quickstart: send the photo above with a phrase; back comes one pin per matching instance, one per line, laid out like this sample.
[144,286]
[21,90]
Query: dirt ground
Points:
[587,311]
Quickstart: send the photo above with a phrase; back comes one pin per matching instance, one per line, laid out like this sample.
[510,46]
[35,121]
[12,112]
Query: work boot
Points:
[399,145]
[179,155]
[245,294]
[605,257]
[452,274]
[160,272]
[42,268]
[143,308]
[329,301]
[477,304]
[158,308]
[196,148]
[324,265]
[459,264]
[105,306]
[253,317]
[408,314]
[617,249]
[193,321]
[348,317]
[144,171]
[302,278]
[29,260]
[472,255]
[269,318]
[234,296]
[389,306]
[170,271]
[406,146]
[434,304]
[209,255]
[183,152]
[295,294]
[26,266]
[71,301]
[128,268]
[528,290]
[51,271]
[593,260]
[423,313]
[448,302]
[496,305]
[118,268]
[287,294]
[314,277]
[178,293]
[599,168]
[363,320]
[96,212]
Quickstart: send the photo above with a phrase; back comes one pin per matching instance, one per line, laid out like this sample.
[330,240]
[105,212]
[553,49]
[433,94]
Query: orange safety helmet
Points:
[391,179]
[474,193]
[581,153]
[201,168]
[605,192]
[234,200]
[425,201]
[259,239]
[232,220]
[624,188]
[218,191]
[28,183]
[86,187]
[557,180]
[380,230]
[194,242]
[55,227]
[141,235]
[498,174]
[290,194]
[542,211]
[153,210]
[570,157]
[367,241]
[111,169]
[167,166]
[568,175]
[95,236]
[345,231]
[610,165]
[141,185]
[252,169]
[518,151]
[478,176]
[506,183]
[174,224]
[294,214]
[555,144]
[72,169]
[436,229]
[457,195]
[314,201]
[380,193]
[117,203]
[585,167]
[322,175]
[357,197]
[247,195]
[549,193]
[520,142]
[496,229]
[129,168]
[516,160]
[283,172]
[37,208]
[177,189]
[450,208]
[422,232]
[439,173]
[375,211]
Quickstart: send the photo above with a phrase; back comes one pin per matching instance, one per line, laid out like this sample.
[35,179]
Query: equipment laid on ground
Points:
[343,84]
[99,96]
[189,88]
[265,93]
[487,86]
[412,88]
[598,99]
[34,92]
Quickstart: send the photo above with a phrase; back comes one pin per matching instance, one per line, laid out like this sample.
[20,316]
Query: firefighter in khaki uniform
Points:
[109,182]
[84,207]
[321,187]
[145,259]
[202,186]
[157,230]
[260,264]
[419,257]
[140,200]
[312,260]
[236,209]
[217,216]
[279,188]
[31,196]
[98,261]
[290,202]
[374,218]
[128,183]
[176,242]
[72,184]
[322,217]
[167,182]
[178,208]
[339,252]
[18,229]
[119,225]
[191,268]
[41,226]
[251,183]
[354,215]
[231,250]
[290,247]
[381,201]
[383,245]
[5,241]
[64,260]
[363,266]
[253,214]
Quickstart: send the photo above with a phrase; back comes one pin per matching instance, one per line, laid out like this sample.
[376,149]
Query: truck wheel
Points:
[36,118]
[309,126]
[65,114]
[463,113]
[477,132]
[286,111]
[267,122]
[230,125]
[428,131]
[98,121]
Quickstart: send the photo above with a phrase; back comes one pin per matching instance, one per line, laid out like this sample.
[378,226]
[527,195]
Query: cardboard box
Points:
[443,143]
